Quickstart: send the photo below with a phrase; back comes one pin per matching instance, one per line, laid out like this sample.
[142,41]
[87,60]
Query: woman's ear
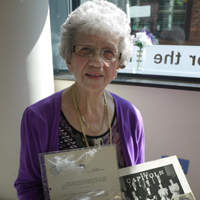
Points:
[118,67]
[115,74]
[69,66]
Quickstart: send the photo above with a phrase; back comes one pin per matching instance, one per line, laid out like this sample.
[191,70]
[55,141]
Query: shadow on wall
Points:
[22,22]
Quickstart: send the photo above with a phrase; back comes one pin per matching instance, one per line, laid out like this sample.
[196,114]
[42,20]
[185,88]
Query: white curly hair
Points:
[97,17]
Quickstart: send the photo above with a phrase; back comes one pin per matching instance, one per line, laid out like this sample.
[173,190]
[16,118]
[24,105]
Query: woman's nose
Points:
[97,60]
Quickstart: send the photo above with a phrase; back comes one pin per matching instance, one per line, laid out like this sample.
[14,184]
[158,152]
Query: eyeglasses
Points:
[107,54]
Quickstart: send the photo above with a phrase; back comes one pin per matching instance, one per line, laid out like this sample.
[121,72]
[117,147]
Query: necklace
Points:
[102,120]
[79,118]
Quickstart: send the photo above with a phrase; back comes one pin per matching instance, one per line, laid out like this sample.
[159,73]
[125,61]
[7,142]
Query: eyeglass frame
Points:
[92,54]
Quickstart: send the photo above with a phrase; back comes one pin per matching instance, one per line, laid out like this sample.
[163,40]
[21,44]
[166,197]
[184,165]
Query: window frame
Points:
[156,81]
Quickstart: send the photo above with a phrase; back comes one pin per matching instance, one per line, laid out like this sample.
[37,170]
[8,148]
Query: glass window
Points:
[173,25]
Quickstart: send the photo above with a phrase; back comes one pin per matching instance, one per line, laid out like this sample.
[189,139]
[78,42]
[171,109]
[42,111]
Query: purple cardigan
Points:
[39,133]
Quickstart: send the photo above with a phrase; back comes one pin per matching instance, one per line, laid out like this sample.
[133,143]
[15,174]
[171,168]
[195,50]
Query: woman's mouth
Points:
[95,75]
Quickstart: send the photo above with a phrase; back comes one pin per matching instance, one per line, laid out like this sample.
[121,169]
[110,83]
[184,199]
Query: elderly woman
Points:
[95,43]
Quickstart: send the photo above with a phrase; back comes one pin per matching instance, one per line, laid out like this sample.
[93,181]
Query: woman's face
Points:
[94,74]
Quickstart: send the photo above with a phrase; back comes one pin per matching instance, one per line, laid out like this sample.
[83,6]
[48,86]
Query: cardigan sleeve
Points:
[132,135]
[131,131]
[28,183]
[39,134]
[139,139]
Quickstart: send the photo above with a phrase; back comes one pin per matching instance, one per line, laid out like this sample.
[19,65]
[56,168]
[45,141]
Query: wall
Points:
[26,76]
[171,120]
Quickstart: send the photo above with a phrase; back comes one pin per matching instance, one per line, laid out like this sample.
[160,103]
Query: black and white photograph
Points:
[162,179]
[159,184]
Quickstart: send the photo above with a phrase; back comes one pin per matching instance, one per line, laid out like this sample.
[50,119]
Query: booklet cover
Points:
[162,179]
[89,173]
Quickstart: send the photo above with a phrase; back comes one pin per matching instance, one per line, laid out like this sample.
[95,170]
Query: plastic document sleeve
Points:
[88,173]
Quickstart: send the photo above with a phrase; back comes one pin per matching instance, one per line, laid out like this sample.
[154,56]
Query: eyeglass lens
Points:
[106,53]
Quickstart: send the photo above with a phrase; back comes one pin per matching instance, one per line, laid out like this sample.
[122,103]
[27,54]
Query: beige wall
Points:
[26,76]
[172,123]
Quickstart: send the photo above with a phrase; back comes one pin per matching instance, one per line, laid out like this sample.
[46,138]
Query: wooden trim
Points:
[188,14]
